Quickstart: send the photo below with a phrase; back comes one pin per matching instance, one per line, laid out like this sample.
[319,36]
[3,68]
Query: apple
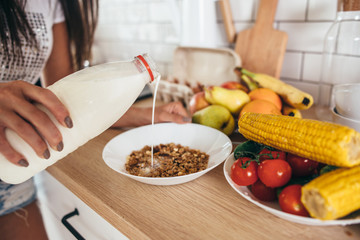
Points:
[234,85]
[217,117]
[198,102]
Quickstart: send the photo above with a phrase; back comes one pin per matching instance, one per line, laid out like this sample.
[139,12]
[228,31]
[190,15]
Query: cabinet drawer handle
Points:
[68,225]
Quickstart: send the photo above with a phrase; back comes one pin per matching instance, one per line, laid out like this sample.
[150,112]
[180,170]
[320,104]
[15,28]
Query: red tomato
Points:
[271,154]
[289,200]
[242,175]
[301,166]
[274,173]
[262,192]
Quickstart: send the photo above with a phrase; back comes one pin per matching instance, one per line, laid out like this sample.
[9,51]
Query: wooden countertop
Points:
[206,208]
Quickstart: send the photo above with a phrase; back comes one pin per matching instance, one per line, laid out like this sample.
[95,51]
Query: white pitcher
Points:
[195,22]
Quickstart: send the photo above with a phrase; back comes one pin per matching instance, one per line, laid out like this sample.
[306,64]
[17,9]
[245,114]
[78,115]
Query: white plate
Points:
[273,207]
[209,140]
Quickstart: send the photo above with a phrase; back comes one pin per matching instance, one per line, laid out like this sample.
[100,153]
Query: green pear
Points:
[217,117]
[232,99]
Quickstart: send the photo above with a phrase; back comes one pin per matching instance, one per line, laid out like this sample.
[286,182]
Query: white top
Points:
[41,15]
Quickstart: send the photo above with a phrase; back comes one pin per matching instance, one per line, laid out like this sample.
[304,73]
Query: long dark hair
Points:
[80,16]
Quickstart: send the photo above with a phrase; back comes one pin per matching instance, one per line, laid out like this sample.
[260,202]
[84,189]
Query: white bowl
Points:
[339,119]
[209,140]
[347,99]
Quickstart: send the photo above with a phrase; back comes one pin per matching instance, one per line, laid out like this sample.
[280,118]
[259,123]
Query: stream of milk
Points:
[157,81]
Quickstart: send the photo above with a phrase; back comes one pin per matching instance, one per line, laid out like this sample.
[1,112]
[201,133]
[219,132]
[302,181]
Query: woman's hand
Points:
[170,112]
[18,112]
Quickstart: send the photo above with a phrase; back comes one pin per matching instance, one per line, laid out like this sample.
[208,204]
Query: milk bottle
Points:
[96,98]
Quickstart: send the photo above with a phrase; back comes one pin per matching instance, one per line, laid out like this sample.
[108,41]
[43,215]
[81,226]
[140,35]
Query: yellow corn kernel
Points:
[334,194]
[324,142]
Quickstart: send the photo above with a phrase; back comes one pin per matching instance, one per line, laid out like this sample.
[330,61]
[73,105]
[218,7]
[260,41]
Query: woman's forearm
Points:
[134,117]
[170,112]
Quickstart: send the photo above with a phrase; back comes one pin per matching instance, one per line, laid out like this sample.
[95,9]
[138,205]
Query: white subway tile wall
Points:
[291,10]
[312,66]
[130,27]
[322,10]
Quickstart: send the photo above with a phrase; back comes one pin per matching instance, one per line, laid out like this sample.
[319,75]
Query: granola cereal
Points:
[169,160]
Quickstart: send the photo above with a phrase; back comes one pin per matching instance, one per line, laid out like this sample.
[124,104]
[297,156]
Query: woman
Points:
[48,39]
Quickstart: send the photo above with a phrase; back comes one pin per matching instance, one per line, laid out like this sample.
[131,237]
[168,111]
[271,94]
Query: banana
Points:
[247,81]
[291,95]
[290,111]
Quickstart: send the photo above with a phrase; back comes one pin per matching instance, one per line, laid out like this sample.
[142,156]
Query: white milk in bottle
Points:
[96,98]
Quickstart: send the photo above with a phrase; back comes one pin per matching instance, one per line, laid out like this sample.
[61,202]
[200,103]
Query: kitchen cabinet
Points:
[57,202]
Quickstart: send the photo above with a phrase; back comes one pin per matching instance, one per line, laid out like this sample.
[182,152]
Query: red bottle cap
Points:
[142,59]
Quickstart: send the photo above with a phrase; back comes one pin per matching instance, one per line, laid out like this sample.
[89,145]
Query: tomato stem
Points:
[270,155]
[255,158]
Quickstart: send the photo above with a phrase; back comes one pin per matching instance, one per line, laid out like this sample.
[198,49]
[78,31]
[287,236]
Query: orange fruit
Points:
[266,94]
[260,106]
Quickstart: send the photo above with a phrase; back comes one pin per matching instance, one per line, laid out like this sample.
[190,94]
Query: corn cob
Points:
[291,95]
[290,111]
[334,194]
[324,142]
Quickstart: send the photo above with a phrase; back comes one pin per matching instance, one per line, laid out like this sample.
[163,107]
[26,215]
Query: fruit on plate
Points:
[271,153]
[291,95]
[325,193]
[217,117]
[301,166]
[266,94]
[320,141]
[290,200]
[234,85]
[334,194]
[274,173]
[233,100]
[244,171]
[260,106]
[262,192]
[198,102]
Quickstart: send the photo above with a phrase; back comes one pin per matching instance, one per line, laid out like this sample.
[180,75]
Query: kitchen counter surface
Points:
[206,208]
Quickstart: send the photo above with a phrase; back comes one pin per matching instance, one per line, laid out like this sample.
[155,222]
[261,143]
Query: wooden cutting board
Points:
[261,47]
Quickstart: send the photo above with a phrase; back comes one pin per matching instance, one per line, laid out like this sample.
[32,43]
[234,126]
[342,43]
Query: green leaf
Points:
[247,149]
